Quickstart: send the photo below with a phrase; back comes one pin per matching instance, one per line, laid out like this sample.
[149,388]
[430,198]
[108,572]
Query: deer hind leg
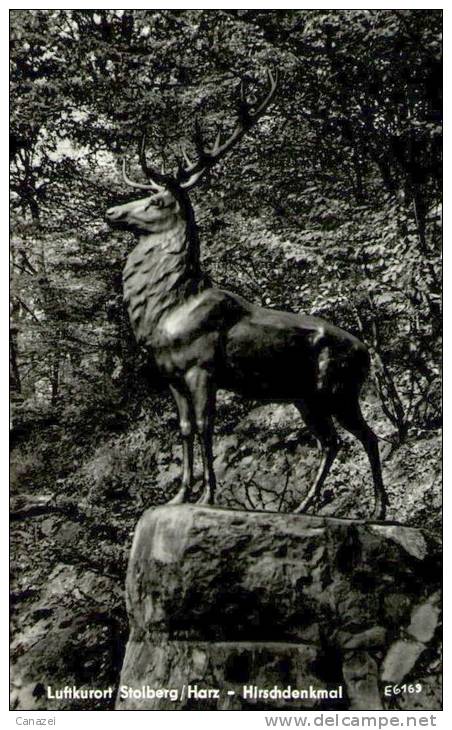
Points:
[187,433]
[321,425]
[202,392]
[350,417]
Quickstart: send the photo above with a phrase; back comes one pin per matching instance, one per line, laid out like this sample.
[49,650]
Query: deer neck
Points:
[161,272]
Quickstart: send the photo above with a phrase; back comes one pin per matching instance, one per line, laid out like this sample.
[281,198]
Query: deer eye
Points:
[154,204]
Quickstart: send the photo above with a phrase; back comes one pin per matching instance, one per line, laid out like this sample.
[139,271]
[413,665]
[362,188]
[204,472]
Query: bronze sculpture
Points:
[204,338]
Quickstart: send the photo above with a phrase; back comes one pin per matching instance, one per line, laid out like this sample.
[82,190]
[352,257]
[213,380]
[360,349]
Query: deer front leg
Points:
[202,390]
[187,433]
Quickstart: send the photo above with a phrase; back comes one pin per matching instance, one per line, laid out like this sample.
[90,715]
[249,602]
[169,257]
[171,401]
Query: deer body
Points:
[247,348]
[204,338]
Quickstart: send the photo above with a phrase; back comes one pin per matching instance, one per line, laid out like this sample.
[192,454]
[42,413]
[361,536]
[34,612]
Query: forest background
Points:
[330,206]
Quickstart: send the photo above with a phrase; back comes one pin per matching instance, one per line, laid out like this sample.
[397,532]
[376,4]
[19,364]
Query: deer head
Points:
[167,200]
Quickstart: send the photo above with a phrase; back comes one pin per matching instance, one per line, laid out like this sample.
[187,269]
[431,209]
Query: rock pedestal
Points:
[234,610]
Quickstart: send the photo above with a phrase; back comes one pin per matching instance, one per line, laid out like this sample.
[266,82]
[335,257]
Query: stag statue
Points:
[204,338]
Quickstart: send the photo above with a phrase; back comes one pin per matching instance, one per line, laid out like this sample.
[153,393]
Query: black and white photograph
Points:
[225,360]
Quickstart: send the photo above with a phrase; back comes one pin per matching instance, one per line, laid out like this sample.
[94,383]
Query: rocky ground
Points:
[71,529]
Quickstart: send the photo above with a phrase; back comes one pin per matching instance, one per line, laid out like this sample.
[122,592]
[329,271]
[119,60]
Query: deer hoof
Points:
[379,513]
[180,497]
[301,510]
[206,498]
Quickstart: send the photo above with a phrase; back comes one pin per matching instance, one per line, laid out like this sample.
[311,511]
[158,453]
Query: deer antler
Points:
[152,174]
[133,184]
[190,172]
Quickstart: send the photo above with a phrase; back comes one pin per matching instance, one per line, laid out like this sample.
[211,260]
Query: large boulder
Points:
[256,610]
